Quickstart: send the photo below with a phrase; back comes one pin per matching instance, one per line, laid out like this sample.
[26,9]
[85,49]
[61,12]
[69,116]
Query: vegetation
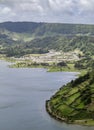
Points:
[50,68]
[85,63]
[40,29]
[20,38]
[42,45]
[74,102]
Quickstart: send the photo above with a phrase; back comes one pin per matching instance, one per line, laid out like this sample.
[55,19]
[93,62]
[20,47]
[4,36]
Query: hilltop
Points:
[74,102]
[40,29]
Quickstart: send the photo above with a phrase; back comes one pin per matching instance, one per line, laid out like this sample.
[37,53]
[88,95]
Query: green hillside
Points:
[47,28]
[44,44]
[20,38]
[74,102]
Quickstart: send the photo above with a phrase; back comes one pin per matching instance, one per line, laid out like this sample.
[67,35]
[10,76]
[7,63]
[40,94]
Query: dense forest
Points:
[20,38]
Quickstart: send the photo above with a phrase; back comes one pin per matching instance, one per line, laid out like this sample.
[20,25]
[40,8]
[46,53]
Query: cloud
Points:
[34,7]
[6,13]
[59,5]
[86,6]
[76,11]
[5,10]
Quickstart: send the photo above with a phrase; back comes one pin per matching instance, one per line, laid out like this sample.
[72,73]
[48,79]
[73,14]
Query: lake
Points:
[23,93]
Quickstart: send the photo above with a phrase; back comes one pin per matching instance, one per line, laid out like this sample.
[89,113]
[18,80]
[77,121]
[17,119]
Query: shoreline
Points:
[56,117]
[48,109]
[65,120]
[50,68]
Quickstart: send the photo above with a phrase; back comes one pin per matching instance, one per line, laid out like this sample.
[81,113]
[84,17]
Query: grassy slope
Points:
[20,38]
[74,103]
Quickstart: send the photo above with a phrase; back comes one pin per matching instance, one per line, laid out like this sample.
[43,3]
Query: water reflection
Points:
[23,93]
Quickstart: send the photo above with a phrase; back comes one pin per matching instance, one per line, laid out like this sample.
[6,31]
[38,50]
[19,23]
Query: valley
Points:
[56,47]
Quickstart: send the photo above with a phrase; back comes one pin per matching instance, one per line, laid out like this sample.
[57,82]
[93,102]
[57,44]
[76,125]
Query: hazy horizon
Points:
[45,22]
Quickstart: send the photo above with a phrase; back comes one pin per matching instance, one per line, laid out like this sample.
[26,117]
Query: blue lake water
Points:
[23,93]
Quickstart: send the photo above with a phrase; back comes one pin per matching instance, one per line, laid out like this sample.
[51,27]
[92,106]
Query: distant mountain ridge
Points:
[47,28]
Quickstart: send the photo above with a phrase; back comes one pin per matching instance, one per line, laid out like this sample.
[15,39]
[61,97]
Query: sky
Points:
[57,11]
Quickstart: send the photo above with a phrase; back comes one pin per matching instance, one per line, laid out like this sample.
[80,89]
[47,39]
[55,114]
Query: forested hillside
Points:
[47,28]
[20,38]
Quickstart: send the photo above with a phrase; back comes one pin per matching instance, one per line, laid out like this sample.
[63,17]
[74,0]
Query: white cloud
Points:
[30,7]
[86,6]
[60,5]
[4,10]
[79,11]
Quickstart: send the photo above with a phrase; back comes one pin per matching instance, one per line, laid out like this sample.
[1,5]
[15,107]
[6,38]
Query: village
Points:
[51,57]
